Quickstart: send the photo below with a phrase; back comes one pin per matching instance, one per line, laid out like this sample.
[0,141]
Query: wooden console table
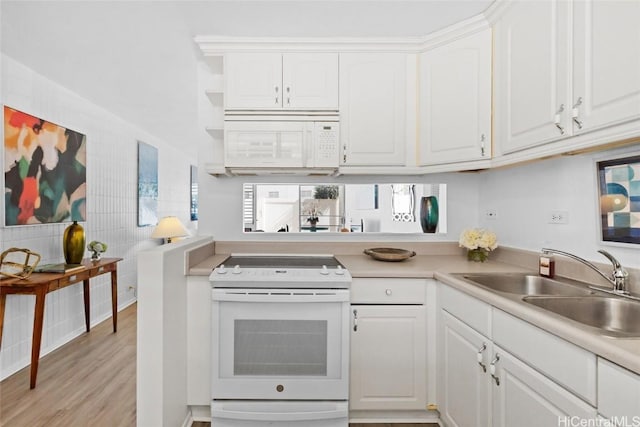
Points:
[40,284]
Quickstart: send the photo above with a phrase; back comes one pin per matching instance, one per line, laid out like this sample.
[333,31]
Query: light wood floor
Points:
[90,381]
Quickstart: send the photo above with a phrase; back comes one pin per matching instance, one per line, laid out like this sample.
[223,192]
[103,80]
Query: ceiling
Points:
[138,59]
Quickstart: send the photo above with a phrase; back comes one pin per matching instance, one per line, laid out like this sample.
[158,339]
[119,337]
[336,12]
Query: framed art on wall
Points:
[45,171]
[619,199]
[193,208]
[147,184]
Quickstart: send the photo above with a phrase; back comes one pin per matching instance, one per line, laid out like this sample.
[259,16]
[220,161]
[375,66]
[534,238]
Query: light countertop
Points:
[623,351]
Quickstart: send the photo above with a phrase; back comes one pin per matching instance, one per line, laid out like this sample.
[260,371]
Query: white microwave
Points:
[289,144]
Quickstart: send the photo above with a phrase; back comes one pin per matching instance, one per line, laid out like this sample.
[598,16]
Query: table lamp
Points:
[168,228]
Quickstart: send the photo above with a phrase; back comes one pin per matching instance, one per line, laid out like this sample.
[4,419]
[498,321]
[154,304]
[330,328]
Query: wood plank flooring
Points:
[91,381]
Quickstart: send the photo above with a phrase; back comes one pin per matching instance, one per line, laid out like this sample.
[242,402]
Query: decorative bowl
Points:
[389,254]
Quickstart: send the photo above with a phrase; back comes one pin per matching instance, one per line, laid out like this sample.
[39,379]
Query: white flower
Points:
[475,238]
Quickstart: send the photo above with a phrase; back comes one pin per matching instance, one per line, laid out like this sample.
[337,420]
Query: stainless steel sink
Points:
[613,316]
[525,284]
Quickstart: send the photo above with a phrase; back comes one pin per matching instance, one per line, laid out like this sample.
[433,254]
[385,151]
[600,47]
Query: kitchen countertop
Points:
[623,351]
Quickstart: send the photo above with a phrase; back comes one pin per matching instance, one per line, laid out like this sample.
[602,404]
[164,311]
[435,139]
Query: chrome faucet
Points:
[618,278]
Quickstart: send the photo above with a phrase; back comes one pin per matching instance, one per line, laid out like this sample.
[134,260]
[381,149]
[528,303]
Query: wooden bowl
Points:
[389,254]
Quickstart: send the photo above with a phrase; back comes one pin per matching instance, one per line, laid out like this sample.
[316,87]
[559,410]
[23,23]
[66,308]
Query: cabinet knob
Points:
[557,119]
[576,113]
[480,358]
[388,292]
[492,369]
[355,320]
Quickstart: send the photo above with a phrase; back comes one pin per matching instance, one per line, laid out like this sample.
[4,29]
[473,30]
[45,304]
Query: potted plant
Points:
[96,248]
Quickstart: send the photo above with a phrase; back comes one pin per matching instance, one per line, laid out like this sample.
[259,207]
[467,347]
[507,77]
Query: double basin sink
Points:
[607,315]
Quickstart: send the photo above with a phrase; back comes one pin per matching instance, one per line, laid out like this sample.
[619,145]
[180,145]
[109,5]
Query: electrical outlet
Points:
[491,214]
[558,217]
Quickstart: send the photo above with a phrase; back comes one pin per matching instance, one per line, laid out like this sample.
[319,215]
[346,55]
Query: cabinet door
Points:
[463,381]
[372,108]
[388,358]
[455,101]
[523,397]
[310,81]
[253,81]
[532,74]
[606,63]
[618,391]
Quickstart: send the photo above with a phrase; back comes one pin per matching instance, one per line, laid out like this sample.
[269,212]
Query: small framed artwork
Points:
[147,185]
[619,199]
[194,194]
[45,171]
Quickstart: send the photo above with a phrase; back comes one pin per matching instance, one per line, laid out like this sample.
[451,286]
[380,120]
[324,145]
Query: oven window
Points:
[280,347]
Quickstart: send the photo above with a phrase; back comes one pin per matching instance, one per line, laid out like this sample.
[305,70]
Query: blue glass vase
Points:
[429,214]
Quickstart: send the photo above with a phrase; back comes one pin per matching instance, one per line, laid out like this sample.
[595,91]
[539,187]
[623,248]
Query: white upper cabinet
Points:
[275,81]
[606,85]
[455,101]
[373,93]
[563,69]
[532,74]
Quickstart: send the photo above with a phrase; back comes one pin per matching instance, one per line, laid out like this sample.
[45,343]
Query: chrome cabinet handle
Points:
[344,153]
[557,119]
[479,357]
[492,369]
[482,145]
[576,113]
[277,97]
[355,320]
[288,96]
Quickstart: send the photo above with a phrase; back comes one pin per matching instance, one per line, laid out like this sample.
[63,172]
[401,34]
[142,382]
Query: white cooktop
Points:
[280,271]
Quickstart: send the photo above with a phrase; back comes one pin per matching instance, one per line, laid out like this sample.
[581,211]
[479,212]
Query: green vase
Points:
[73,243]
[477,255]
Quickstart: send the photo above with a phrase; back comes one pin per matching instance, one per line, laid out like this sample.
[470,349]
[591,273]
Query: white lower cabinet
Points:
[388,369]
[618,393]
[482,383]
[521,396]
[464,388]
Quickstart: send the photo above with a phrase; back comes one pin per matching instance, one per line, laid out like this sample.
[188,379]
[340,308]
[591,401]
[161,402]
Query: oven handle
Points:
[280,416]
[297,297]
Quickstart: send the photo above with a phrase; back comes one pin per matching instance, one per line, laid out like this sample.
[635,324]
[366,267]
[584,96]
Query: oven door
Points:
[280,344]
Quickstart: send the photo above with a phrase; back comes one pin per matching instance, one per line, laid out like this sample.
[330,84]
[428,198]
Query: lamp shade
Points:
[168,228]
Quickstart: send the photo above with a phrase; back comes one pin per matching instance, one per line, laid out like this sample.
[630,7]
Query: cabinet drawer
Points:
[567,364]
[388,291]
[471,311]
[618,391]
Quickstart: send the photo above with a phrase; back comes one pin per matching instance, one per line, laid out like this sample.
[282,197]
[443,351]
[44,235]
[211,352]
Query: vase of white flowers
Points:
[96,248]
[478,242]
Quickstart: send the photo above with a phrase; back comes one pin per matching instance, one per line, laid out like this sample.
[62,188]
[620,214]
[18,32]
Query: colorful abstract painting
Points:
[147,185]
[619,192]
[45,174]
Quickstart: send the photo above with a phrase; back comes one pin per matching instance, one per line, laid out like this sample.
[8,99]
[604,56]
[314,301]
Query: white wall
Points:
[523,197]
[111,210]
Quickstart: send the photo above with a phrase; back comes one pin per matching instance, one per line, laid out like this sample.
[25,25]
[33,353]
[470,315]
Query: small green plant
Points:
[326,192]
